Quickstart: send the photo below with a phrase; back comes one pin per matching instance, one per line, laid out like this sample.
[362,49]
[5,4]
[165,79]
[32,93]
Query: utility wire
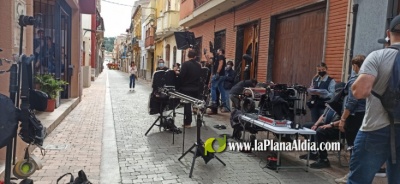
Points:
[117,3]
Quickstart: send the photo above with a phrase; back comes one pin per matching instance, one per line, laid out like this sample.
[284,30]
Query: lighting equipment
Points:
[159,102]
[19,89]
[184,40]
[198,145]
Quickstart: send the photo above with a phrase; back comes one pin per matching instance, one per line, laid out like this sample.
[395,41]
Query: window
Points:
[167,54]
[199,41]
[174,55]
[183,56]
[220,40]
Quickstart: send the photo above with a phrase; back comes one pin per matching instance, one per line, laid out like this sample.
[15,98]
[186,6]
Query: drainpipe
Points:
[353,33]
[325,30]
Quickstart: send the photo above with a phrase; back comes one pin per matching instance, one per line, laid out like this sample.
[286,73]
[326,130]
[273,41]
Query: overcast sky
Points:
[116,17]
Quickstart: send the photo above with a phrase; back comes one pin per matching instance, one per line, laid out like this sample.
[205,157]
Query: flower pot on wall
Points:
[51,105]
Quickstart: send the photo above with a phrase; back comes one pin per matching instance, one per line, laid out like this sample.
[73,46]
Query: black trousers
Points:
[187,109]
[353,124]
[235,101]
[323,135]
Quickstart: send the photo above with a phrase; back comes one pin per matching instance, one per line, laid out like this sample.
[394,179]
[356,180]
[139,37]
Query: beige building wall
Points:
[9,42]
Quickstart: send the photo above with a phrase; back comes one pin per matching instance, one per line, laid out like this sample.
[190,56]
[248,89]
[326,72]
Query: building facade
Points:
[167,24]
[371,22]
[148,33]
[62,32]
[286,39]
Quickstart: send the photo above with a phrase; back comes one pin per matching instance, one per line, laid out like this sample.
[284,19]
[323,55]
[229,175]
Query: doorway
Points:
[247,39]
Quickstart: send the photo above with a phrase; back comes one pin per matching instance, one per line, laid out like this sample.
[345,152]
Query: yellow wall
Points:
[160,7]
[158,52]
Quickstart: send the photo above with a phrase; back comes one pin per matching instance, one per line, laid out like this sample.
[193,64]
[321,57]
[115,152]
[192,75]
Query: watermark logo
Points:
[208,145]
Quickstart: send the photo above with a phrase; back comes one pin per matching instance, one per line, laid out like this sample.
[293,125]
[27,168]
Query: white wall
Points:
[86,23]
[172,43]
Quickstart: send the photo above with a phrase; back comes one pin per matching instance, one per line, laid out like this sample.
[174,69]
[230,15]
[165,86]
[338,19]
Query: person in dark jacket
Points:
[228,84]
[189,77]
[237,90]
[321,81]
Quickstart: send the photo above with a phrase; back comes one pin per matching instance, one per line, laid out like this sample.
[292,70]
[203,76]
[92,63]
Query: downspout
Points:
[325,30]
[347,41]
[353,35]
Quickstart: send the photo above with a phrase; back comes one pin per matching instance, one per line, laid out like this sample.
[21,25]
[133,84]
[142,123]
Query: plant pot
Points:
[51,105]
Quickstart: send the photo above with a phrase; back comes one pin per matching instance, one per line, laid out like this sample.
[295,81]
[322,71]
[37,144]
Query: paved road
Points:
[153,159]
[104,135]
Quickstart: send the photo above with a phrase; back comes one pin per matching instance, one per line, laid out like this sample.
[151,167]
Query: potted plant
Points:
[52,87]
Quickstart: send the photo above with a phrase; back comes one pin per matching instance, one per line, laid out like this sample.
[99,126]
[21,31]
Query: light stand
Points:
[163,119]
[198,145]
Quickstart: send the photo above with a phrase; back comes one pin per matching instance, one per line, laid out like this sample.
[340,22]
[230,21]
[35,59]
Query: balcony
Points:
[160,26]
[149,42]
[167,24]
[194,12]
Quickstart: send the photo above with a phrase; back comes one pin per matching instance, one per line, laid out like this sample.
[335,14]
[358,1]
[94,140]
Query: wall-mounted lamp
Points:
[103,47]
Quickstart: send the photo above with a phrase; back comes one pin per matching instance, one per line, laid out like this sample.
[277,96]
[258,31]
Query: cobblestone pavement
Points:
[78,138]
[153,158]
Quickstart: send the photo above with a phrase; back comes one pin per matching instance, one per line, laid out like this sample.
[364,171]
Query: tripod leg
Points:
[189,150]
[222,162]
[194,160]
[152,126]
[173,137]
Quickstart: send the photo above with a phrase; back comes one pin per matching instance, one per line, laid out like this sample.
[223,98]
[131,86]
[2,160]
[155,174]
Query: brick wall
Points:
[186,8]
[262,10]
[335,42]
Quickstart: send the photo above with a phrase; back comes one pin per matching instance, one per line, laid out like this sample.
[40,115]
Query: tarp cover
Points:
[8,120]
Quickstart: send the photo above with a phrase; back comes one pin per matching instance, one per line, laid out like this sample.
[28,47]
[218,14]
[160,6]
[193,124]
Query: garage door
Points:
[298,47]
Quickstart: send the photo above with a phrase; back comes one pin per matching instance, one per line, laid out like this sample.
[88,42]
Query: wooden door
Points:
[298,47]
[250,47]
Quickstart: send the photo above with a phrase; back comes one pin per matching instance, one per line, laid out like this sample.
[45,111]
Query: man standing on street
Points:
[372,146]
[217,79]
[189,77]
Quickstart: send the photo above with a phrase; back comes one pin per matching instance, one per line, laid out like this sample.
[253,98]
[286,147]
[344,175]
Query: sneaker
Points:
[223,110]
[186,126]
[381,173]
[342,180]
[313,156]
[320,163]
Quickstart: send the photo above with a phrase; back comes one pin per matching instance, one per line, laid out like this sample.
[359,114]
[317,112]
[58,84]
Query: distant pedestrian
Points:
[133,76]
[228,84]
[217,79]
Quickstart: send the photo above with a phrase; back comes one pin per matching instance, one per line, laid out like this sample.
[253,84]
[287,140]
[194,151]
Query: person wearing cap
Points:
[372,146]
[384,41]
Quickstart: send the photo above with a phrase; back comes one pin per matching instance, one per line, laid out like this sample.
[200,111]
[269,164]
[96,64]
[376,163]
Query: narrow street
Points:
[104,136]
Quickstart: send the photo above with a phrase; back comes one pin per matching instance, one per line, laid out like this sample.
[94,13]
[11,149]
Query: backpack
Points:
[81,179]
[390,100]
[337,102]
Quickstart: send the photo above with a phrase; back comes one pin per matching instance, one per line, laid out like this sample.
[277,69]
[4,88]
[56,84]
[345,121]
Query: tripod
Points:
[199,149]
[163,121]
